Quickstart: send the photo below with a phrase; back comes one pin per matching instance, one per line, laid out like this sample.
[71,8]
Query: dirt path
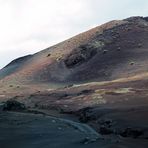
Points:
[20,130]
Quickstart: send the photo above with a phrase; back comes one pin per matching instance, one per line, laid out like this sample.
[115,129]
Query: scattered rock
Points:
[105,130]
[139,45]
[53,121]
[106,122]
[132,63]
[68,86]
[88,140]
[105,51]
[49,55]
[65,106]
[59,128]
[134,133]
[119,48]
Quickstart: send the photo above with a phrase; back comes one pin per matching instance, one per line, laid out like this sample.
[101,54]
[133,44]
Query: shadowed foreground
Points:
[21,130]
[36,131]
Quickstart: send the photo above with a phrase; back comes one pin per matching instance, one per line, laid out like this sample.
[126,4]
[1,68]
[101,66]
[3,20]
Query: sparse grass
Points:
[98,99]
[123,90]
[113,91]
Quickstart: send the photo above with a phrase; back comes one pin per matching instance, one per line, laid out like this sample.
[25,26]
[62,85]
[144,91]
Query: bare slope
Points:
[114,50]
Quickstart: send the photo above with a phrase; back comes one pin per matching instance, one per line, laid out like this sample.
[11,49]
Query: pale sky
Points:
[28,26]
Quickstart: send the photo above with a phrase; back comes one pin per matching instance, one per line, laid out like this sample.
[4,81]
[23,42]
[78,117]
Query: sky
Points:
[28,26]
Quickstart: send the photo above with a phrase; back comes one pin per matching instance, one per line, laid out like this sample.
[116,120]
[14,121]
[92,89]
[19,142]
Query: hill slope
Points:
[114,50]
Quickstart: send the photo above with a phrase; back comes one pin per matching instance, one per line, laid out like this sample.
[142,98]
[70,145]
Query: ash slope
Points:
[117,49]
